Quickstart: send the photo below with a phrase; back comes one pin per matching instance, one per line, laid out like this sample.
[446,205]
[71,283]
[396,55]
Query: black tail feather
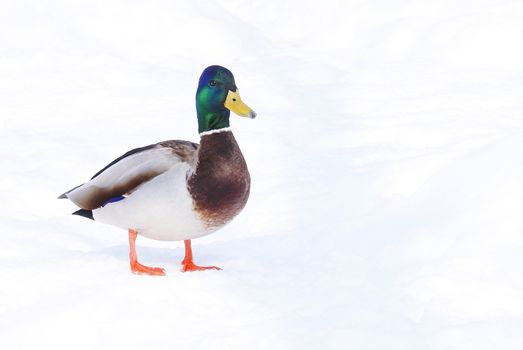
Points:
[85,213]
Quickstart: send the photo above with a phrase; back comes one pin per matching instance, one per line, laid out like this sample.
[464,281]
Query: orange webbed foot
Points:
[136,267]
[187,263]
[189,266]
[140,269]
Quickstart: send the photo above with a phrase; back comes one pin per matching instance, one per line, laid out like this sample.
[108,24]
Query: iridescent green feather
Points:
[215,82]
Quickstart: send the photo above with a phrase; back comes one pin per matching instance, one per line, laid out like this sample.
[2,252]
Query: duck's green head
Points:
[217,95]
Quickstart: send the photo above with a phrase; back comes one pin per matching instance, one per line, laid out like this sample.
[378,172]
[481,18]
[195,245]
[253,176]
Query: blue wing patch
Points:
[114,199]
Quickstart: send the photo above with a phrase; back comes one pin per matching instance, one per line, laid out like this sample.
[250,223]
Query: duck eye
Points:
[212,83]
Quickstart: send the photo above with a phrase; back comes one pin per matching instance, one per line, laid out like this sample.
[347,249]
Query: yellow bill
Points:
[234,103]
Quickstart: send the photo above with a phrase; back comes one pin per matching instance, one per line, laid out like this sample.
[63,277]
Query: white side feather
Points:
[156,160]
[160,209]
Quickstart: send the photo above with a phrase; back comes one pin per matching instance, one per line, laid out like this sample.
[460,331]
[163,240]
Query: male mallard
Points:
[176,190]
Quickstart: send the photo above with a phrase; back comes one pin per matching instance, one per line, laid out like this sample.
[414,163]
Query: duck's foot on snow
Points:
[187,263]
[140,269]
[136,267]
[189,266]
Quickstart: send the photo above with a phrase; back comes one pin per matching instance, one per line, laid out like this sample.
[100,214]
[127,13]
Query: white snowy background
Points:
[386,160]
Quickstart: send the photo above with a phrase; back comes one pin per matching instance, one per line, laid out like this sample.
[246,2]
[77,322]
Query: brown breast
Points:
[221,183]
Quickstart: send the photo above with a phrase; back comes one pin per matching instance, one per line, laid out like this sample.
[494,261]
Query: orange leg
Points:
[136,267]
[187,263]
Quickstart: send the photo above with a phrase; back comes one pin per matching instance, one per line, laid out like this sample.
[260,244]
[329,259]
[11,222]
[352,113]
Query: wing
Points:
[126,173]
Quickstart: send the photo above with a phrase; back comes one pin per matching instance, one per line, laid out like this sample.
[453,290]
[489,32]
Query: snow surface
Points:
[386,162]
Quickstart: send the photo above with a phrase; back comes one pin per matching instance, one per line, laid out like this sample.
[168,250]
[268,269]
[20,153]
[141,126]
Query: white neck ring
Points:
[215,131]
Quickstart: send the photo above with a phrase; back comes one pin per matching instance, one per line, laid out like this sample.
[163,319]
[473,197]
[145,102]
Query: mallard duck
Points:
[176,190]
